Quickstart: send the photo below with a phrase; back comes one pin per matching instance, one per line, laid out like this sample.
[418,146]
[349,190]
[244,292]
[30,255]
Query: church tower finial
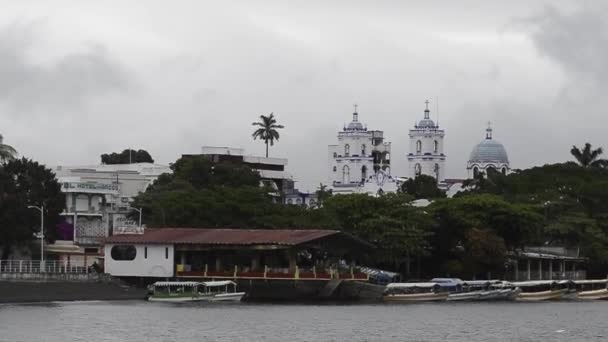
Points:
[489,131]
[427,112]
[355,113]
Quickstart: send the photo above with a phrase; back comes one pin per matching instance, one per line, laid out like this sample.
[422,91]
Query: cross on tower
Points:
[355,105]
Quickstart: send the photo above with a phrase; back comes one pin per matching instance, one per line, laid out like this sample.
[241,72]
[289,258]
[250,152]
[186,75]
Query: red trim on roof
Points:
[205,236]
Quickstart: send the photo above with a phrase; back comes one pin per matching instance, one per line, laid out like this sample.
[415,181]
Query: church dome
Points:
[489,150]
[424,123]
[354,126]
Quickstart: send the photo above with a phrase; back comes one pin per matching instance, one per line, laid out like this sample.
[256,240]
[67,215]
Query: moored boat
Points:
[414,292]
[190,291]
[591,289]
[540,290]
[485,290]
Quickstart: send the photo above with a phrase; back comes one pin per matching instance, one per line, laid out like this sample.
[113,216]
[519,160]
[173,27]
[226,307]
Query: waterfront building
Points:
[97,202]
[279,254]
[546,263]
[488,154]
[360,162]
[426,155]
[271,170]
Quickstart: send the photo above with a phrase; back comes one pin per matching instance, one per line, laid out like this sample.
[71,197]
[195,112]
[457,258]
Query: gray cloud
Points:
[63,82]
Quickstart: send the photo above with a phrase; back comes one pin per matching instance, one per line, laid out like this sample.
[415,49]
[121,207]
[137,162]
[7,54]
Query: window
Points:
[335,154]
[335,168]
[290,201]
[363,173]
[363,150]
[437,171]
[345,174]
[418,169]
[435,146]
[166,252]
[475,171]
[145,252]
[504,170]
[123,252]
[346,150]
[418,146]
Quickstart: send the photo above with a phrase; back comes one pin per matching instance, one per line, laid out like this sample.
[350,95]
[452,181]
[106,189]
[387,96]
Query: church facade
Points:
[360,162]
[426,155]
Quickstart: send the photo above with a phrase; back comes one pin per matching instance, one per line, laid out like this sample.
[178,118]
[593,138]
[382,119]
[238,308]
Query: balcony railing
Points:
[184,271]
[35,266]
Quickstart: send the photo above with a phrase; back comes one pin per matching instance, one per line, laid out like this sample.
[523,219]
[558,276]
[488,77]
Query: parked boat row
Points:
[453,289]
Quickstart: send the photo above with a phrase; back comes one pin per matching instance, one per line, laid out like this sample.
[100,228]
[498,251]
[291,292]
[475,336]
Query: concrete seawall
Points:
[29,289]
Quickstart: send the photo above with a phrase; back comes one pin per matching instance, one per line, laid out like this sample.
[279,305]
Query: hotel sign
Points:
[97,188]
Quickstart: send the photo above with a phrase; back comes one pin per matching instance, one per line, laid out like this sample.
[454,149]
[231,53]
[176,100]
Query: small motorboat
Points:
[542,290]
[190,291]
[414,292]
[591,289]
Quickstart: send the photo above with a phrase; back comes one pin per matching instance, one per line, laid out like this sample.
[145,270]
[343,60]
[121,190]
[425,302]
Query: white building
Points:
[97,201]
[360,162]
[426,156]
[488,154]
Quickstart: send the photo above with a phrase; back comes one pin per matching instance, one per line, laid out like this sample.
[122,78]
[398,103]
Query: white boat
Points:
[190,291]
[539,290]
[591,289]
[414,292]
[485,290]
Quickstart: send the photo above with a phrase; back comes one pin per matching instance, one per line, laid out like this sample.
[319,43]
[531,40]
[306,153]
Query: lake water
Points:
[142,321]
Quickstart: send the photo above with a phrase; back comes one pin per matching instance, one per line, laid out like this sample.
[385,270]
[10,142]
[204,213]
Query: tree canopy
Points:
[267,130]
[422,187]
[127,156]
[23,183]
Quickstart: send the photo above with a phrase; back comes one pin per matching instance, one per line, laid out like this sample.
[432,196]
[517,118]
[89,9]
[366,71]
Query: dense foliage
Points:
[23,183]
[127,156]
[468,235]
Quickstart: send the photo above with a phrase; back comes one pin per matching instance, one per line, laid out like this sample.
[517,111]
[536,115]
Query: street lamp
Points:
[41,235]
[139,211]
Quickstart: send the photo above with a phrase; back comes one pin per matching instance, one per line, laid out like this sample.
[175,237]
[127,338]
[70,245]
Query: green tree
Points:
[7,152]
[322,194]
[422,187]
[589,157]
[127,156]
[23,183]
[267,131]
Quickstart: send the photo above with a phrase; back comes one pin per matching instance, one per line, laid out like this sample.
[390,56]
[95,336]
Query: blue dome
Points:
[489,150]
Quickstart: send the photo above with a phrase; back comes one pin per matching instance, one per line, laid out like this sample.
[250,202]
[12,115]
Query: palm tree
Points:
[267,130]
[7,152]
[588,157]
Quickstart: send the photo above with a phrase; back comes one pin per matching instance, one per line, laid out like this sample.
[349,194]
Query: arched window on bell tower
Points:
[363,173]
[363,150]
[436,170]
[346,150]
[418,170]
[435,146]
[418,146]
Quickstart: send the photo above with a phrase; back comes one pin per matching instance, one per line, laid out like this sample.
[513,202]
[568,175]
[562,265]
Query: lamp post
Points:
[41,235]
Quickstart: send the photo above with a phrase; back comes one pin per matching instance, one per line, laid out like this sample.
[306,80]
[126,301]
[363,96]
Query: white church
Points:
[360,162]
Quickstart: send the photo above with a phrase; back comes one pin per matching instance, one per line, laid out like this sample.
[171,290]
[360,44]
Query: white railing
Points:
[35,266]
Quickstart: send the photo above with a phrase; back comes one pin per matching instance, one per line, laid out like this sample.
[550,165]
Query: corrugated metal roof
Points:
[205,236]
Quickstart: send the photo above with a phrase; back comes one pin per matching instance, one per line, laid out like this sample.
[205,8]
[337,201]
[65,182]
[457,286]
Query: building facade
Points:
[488,154]
[426,155]
[360,162]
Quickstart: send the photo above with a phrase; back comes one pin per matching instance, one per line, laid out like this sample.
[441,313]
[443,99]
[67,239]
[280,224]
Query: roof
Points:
[409,285]
[218,283]
[489,150]
[176,283]
[234,237]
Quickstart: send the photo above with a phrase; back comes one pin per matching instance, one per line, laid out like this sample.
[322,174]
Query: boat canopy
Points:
[534,283]
[591,281]
[218,283]
[481,282]
[176,283]
[410,285]
[447,282]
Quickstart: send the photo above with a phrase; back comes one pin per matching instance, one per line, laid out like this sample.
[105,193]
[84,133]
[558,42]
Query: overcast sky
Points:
[82,78]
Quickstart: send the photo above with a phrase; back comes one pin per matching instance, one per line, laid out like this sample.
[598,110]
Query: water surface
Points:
[142,321]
